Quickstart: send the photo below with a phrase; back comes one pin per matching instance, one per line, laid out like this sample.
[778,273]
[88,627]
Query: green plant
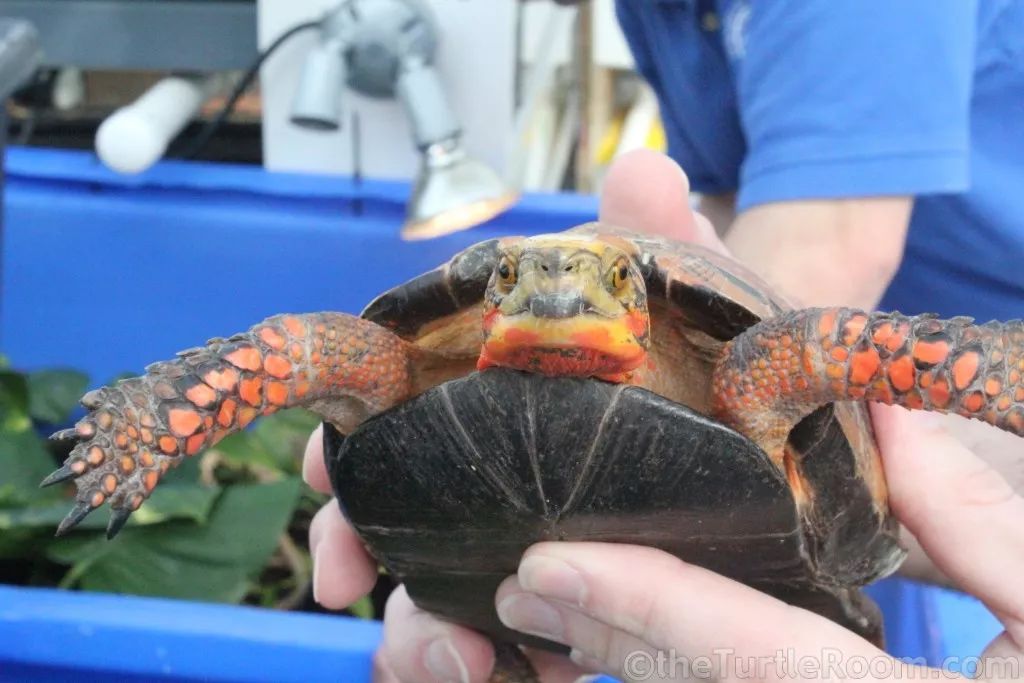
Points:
[227,526]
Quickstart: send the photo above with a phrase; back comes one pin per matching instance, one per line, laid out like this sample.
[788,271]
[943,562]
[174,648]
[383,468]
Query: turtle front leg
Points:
[137,429]
[777,372]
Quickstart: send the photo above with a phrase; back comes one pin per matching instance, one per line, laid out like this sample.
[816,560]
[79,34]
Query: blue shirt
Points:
[819,99]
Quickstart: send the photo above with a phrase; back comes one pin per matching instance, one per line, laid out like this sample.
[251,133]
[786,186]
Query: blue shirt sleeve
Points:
[846,98]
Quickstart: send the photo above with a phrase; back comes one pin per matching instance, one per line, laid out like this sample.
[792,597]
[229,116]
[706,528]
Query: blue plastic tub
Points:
[107,274]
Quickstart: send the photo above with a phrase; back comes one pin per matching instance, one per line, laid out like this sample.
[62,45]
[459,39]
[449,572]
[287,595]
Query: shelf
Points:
[200,35]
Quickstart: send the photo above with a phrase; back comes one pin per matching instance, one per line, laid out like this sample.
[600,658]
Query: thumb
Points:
[642,614]
[647,192]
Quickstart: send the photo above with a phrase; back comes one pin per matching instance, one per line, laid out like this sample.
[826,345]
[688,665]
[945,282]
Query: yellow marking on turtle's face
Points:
[566,305]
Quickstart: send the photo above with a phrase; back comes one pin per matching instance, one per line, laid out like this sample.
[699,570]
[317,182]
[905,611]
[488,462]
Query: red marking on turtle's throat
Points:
[567,362]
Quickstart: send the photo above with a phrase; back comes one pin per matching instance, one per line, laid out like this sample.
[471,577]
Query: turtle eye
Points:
[618,276]
[507,271]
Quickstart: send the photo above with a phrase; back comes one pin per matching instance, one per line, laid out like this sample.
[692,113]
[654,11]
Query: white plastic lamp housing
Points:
[136,136]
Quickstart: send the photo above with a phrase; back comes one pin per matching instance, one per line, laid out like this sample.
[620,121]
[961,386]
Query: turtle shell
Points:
[450,488]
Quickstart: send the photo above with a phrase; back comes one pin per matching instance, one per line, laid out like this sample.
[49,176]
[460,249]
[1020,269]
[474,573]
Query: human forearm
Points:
[824,252]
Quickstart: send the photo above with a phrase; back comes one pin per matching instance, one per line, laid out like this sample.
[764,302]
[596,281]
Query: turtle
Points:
[591,384]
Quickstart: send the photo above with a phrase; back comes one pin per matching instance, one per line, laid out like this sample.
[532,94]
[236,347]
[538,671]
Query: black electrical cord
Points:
[203,137]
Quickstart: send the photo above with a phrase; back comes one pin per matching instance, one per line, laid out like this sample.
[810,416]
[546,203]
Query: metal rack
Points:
[200,35]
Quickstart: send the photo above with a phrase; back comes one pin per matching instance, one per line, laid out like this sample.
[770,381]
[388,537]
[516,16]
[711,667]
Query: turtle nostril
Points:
[544,268]
[568,269]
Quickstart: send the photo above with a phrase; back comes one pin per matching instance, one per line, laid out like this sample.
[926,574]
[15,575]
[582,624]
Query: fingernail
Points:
[316,565]
[444,662]
[552,578]
[529,614]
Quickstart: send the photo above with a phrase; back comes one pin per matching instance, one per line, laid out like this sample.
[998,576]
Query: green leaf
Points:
[24,462]
[362,608]
[54,394]
[14,402]
[212,562]
[169,501]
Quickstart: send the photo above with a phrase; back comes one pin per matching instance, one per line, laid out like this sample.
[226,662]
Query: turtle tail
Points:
[782,369]
[140,427]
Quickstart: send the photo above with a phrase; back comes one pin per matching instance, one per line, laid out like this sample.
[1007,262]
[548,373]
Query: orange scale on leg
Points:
[250,390]
[939,394]
[965,369]
[95,456]
[272,338]
[853,328]
[863,365]
[294,327]
[277,393]
[827,322]
[914,401]
[973,402]
[194,443]
[881,333]
[226,414]
[183,421]
[245,416]
[224,379]
[277,366]
[245,358]
[902,373]
[201,395]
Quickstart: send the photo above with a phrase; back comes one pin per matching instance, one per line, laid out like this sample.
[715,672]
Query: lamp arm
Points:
[419,89]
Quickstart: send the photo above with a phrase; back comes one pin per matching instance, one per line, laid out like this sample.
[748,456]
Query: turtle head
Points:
[566,306]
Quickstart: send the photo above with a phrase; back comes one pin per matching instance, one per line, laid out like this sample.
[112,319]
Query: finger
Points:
[382,671]
[648,192]
[965,514]
[314,469]
[343,571]
[420,648]
[609,600]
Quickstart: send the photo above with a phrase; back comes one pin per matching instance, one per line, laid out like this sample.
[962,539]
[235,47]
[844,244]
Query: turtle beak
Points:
[558,305]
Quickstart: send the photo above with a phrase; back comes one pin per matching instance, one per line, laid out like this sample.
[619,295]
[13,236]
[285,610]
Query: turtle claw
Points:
[56,477]
[92,399]
[77,514]
[118,517]
[65,435]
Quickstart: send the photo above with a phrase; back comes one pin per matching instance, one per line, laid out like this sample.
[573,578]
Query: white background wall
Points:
[477,64]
